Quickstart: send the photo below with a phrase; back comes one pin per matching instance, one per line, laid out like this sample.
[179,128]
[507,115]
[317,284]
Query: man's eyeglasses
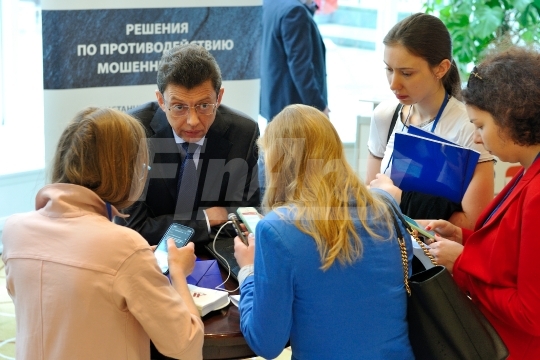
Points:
[201,109]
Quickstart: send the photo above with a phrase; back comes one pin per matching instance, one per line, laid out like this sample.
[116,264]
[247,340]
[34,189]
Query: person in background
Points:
[496,264]
[84,287]
[204,154]
[326,259]
[293,63]
[426,83]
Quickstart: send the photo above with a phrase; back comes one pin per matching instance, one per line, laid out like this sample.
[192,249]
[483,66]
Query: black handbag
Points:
[443,322]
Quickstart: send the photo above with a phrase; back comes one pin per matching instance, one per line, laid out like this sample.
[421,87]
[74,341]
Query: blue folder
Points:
[428,134]
[205,274]
[427,163]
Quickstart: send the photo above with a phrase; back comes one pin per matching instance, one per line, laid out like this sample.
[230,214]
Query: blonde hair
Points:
[306,172]
[105,151]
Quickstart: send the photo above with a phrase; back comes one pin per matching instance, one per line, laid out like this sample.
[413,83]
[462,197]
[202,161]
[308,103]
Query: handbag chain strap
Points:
[404,259]
[401,240]
[423,246]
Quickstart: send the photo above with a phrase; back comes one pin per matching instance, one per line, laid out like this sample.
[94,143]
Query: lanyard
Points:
[109,210]
[435,122]
[441,109]
[508,193]
[503,199]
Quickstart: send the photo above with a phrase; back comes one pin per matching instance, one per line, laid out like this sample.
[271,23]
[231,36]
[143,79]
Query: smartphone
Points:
[181,235]
[236,225]
[421,230]
[250,217]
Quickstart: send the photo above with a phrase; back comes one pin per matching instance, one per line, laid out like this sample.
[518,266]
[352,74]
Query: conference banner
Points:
[106,54]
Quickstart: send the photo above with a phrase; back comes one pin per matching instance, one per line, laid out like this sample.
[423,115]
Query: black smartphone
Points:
[237,228]
[181,235]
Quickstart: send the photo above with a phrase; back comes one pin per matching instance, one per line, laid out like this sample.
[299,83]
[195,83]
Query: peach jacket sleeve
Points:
[148,295]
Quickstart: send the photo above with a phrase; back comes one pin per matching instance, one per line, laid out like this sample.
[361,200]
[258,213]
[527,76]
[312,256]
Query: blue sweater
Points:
[347,312]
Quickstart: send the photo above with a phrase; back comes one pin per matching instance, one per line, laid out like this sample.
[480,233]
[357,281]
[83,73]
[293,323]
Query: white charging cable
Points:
[224,260]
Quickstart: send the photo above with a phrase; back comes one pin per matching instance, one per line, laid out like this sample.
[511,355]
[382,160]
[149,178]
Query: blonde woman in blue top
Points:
[325,271]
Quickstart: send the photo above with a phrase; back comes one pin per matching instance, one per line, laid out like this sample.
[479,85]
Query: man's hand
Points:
[217,215]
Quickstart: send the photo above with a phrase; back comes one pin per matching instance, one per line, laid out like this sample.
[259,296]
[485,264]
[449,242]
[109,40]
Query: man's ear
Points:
[220,96]
[160,100]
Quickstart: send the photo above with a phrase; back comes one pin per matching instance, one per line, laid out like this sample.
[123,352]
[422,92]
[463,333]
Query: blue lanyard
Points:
[109,210]
[435,122]
[441,109]
[507,193]
[503,199]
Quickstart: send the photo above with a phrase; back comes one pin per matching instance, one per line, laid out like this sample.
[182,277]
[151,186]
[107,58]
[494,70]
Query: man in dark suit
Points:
[188,122]
[293,65]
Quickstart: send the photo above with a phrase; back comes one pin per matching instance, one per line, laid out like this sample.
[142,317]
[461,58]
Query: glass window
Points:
[21,91]
[353,31]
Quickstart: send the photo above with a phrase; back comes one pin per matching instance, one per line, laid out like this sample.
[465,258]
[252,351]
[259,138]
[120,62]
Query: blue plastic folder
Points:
[428,134]
[427,163]
[206,274]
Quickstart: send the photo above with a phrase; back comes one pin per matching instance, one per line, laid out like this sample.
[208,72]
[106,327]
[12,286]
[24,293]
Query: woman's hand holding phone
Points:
[446,252]
[181,263]
[245,255]
[177,232]
[239,228]
[443,229]
[181,260]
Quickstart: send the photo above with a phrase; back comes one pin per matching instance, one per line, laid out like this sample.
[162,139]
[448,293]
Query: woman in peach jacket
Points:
[84,287]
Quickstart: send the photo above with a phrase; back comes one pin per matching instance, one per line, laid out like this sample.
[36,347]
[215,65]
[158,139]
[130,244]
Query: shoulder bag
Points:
[443,322]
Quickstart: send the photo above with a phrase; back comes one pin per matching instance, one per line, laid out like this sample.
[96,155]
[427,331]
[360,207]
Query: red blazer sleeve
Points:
[499,266]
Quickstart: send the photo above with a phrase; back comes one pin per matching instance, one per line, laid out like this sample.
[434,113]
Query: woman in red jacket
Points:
[496,264]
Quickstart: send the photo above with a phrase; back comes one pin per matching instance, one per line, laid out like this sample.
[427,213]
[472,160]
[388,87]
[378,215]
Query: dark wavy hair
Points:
[507,85]
[188,65]
[426,36]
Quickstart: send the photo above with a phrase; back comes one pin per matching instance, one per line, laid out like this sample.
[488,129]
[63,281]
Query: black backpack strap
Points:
[394,120]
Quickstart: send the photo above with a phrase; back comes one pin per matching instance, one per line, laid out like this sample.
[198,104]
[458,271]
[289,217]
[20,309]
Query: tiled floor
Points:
[7,324]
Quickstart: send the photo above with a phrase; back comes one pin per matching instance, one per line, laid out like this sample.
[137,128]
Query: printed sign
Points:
[119,47]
